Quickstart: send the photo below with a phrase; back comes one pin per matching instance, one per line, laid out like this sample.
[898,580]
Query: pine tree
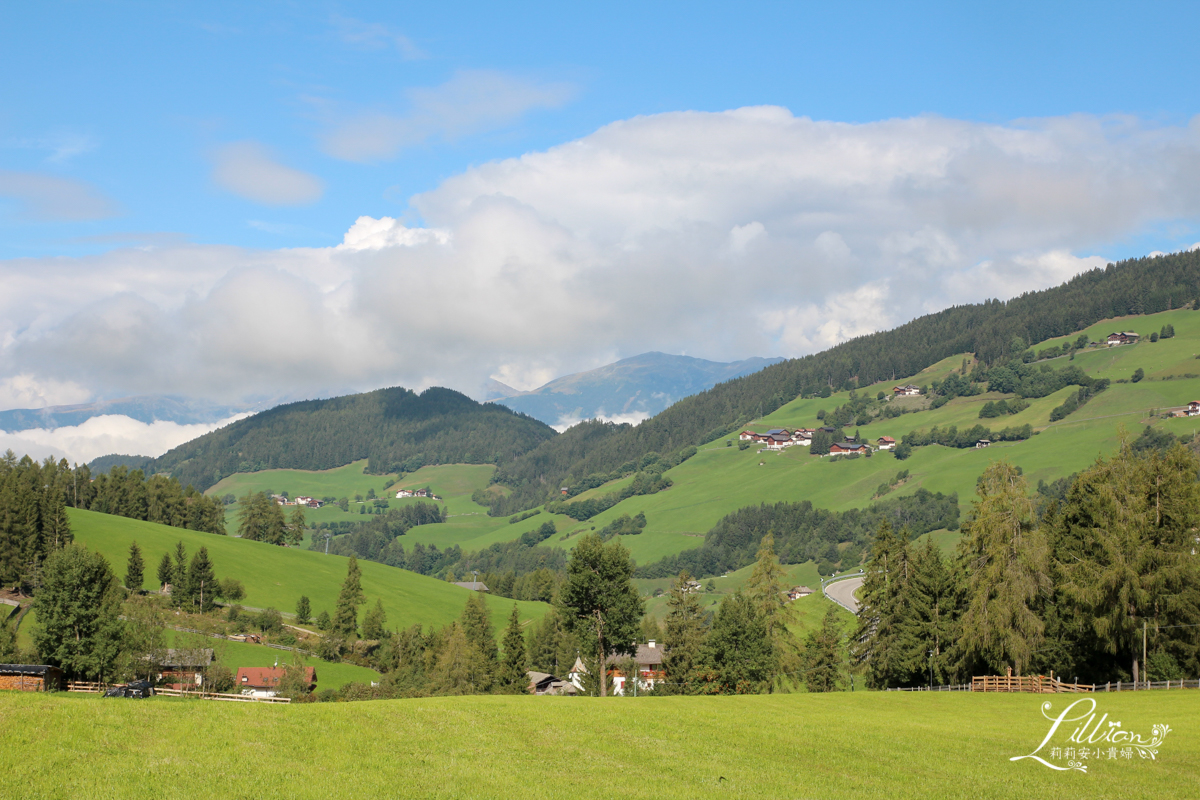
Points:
[303,610]
[880,608]
[1006,566]
[514,666]
[166,571]
[823,655]
[374,622]
[345,618]
[928,626]
[202,585]
[179,589]
[477,627]
[684,638]
[737,656]
[765,589]
[133,572]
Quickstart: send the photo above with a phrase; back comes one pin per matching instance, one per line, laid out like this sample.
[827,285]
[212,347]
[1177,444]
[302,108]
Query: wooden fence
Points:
[234,698]
[1038,684]
[85,686]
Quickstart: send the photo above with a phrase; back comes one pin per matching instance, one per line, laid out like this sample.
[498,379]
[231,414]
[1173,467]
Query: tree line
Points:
[833,539]
[1080,584]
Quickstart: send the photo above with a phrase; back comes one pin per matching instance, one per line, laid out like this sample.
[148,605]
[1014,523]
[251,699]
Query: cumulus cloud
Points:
[632,418]
[99,436]
[44,198]
[470,102]
[724,235]
[248,170]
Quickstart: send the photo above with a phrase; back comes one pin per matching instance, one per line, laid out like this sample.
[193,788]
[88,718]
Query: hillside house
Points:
[983,443]
[30,677]
[649,661]
[403,493]
[799,591]
[887,443]
[545,683]
[692,587]
[907,390]
[185,666]
[474,586]
[264,681]
[746,436]
[1122,337]
[308,501]
[848,447]
[1193,408]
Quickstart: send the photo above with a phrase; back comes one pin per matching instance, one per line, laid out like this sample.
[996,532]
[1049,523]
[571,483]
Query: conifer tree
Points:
[179,589]
[134,570]
[374,622]
[166,571]
[514,665]
[880,608]
[202,586]
[684,638]
[303,610]
[766,590]
[1005,558]
[345,618]
[77,610]
[737,656]
[476,624]
[823,655]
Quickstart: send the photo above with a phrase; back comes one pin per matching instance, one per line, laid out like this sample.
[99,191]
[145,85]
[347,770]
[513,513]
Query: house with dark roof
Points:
[848,447]
[648,661]
[1122,337]
[545,683]
[907,390]
[184,666]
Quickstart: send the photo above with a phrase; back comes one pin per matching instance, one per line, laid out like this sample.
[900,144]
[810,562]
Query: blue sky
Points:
[134,98]
[250,202]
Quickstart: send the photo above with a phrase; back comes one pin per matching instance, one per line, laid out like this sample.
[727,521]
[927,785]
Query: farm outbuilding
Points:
[30,677]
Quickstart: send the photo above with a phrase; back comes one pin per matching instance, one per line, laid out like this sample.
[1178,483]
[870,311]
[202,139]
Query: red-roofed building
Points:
[264,681]
[887,443]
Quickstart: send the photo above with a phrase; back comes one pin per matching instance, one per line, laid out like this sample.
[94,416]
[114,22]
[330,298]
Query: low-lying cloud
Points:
[102,435]
[723,235]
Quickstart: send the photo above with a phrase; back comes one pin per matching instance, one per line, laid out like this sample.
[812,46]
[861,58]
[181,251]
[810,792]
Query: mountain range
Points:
[629,390]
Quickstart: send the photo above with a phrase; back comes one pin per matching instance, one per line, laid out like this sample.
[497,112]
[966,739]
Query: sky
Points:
[285,200]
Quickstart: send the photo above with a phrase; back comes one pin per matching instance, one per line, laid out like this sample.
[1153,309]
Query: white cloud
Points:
[103,435]
[44,197]
[748,232]
[27,391]
[632,418]
[470,102]
[248,170]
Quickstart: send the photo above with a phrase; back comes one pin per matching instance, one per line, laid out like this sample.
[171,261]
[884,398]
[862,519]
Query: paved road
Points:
[843,592]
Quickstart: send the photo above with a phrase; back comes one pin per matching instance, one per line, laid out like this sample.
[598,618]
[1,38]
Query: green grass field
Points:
[841,745]
[277,576]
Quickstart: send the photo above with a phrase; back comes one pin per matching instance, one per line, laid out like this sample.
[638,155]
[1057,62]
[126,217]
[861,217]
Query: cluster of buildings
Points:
[403,493]
[907,390]
[1122,337]
[303,500]
[781,438]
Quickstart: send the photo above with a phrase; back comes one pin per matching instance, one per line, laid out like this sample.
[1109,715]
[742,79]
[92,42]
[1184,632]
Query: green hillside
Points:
[277,576]
[394,429]
[844,745]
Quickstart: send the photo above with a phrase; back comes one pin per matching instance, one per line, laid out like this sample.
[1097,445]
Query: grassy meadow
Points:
[841,745]
[276,576]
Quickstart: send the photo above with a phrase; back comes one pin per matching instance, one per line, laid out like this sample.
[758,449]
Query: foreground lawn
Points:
[798,746]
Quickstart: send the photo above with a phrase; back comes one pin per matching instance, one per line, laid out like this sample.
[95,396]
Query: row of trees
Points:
[261,519]
[1083,589]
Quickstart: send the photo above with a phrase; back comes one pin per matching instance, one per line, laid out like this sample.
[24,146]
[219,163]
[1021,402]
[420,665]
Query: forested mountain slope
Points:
[395,429]
[993,330]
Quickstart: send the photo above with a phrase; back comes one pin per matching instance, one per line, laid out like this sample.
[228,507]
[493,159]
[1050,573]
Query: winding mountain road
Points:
[842,593]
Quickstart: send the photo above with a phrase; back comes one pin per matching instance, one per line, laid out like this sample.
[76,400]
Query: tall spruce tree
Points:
[737,657]
[684,638]
[202,586]
[166,571]
[880,609]
[134,569]
[514,663]
[823,655]
[766,589]
[345,618]
[374,623]
[180,588]
[476,623]
[303,610]
[1006,567]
